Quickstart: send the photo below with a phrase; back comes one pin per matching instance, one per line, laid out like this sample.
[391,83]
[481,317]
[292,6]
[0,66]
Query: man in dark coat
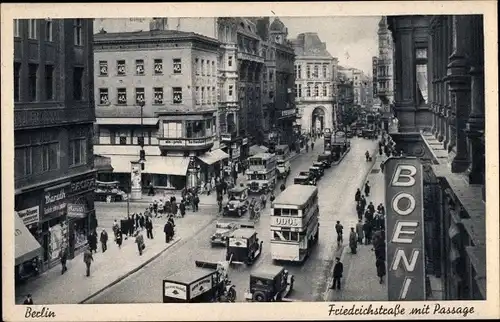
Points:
[363,201]
[196,202]
[88,259]
[149,228]
[167,229]
[367,188]
[173,206]
[63,256]
[119,238]
[104,240]
[353,241]
[182,208]
[367,229]
[381,209]
[371,207]
[369,217]
[141,221]
[357,196]
[338,270]
[359,231]
[380,264]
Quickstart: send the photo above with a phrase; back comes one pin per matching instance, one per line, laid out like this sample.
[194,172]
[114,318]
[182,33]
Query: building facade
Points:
[439,102]
[251,64]
[156,91]
[53,132]
[345,99]
[385,63]
[315,71]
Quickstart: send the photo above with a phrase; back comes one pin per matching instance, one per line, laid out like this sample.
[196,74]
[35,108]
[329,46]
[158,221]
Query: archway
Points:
[318,119]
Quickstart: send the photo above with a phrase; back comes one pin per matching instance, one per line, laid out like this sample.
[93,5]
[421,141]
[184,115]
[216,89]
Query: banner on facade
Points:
[136,176]
[30,215]
[404,229]
[77,210]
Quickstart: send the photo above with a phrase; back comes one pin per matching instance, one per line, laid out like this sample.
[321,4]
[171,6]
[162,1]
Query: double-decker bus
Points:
[283,160]
[261,173]
[294,223]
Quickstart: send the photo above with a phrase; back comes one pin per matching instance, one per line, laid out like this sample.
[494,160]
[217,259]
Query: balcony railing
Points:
[186,143]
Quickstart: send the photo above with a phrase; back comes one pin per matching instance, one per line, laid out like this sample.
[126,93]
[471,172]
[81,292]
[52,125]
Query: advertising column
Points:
[404,229]
[136,181]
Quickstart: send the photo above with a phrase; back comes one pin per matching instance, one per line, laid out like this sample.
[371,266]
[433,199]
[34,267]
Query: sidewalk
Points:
[360,281]
[107,268]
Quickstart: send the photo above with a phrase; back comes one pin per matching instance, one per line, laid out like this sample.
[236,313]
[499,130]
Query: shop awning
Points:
[214,156]
[256,149]
[27,247]
[102,163]
[155,164]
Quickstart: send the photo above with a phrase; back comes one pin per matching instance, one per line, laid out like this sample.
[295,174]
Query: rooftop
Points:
[267,271]
[153,35]
[187,276]
[295,195]
[309,44]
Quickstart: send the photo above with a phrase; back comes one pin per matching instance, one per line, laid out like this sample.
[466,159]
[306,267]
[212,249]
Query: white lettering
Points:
[399,255]
[398,231]
[398,198]
[405,288]
[396,182]
[53,198]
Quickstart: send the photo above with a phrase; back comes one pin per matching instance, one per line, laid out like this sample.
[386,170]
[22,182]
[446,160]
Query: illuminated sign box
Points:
[404,229]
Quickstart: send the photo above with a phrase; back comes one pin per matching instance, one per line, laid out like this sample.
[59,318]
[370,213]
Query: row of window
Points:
[320,90]
[312,71]
[34,33]
[35,75]
[194,129]
[45,157]
[140,96]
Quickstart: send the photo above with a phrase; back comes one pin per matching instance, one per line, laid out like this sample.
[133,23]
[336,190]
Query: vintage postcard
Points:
[250,161]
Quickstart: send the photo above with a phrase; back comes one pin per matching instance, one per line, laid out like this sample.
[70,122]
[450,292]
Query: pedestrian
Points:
[208,187]
[369,216]
[104,240]
[381,209]
[263,200]
[338,270]
[137,221]
[155,206]
[115,227]
[380,264]
[131,223]
[367,188]
[28,300]
[182,207]
[88,259]
[357,196]
[272,197]
[380,152]
[339,229]
[359,231]
[219,203]
[367,156]
[359,210]
[93,241]
[149,228]
[151,190]
[282,187]
[141,221]
[139,240]
[196,202]
[173,206]
[367,229]
[119,238]
[167,229]
[63,256]
[353,241]
[371,207]
[363,202]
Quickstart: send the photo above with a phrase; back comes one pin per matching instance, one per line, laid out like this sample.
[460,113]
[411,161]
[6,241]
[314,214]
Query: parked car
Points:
[269,283]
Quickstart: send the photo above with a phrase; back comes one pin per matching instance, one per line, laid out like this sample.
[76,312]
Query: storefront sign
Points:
[225,137]
[30,215]
[173,142]
[289,112]
[404,229]
[200,287]
[82,185]
[54,201]
[236,152]
[285,221]
[77,210]
[245,141]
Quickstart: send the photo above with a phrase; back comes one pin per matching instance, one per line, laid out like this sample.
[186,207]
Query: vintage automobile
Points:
[223,230]
[368,134]
[269,283]
[320,165]
[244,247]
[207,282]
[237,204]
[326,159]
[305,178]
[316,172]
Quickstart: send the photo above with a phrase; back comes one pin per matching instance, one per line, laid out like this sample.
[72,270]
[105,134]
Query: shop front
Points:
[211,164]
[59,216]
[27,249]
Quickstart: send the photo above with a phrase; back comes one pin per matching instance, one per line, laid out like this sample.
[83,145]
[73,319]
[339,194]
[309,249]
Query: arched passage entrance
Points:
[318,119]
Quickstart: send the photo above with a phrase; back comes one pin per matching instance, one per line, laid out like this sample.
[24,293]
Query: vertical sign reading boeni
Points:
[404,229]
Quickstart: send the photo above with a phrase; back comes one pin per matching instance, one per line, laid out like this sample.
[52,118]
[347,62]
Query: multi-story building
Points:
[156,91]
[250,74]
[278,81]
[384,66]
[315,74]
[345,100]
[439,103]
[53,119]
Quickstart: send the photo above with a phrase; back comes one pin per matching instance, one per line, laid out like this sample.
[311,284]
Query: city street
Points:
[336,193]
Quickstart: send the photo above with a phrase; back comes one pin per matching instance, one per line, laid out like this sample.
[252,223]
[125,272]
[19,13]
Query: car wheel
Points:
[259,296]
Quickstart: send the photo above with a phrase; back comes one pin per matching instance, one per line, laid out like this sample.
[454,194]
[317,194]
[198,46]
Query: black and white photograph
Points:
[161,158]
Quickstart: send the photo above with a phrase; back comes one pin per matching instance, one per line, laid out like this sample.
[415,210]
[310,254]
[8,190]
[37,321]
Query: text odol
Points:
[404,229]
